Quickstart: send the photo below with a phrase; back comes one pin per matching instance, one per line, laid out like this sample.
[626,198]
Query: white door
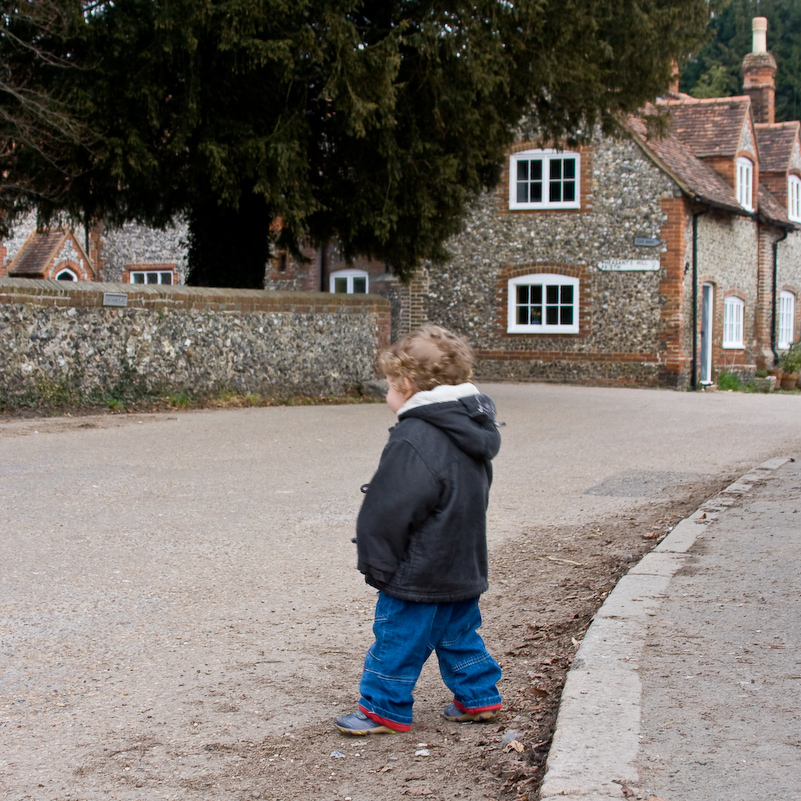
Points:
[706,334]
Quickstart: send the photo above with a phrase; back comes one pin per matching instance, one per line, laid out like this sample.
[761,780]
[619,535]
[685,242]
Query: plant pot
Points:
[789,380]
[778,372]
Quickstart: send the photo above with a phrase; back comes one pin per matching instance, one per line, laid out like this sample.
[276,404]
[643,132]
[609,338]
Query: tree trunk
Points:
[229,247]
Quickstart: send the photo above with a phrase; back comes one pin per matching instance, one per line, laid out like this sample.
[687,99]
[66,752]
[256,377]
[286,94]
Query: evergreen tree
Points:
[717,69]
[372,122]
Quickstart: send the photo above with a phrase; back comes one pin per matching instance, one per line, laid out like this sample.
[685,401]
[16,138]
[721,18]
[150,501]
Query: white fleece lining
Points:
[440,394]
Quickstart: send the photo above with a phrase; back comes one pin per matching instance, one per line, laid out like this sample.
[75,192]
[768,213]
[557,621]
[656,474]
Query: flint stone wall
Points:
[141,245]
[727,259]
[788,276]
[184,339]
[621,327]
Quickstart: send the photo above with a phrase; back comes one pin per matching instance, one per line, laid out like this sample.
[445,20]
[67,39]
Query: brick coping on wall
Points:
[50,292]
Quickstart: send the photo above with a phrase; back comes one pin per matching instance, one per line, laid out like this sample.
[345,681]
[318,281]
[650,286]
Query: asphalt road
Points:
[147,561]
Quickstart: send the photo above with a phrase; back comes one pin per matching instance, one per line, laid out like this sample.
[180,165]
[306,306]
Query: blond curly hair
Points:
[427,357]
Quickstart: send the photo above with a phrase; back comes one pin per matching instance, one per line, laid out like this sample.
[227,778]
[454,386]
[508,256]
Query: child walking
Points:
[421,537]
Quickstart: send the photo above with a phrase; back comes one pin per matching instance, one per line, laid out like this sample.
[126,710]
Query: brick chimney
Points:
[759,74]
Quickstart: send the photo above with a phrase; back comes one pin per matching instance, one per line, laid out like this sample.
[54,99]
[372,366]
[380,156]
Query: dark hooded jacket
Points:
[421,533]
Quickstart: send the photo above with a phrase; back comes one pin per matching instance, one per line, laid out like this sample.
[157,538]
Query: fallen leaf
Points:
[518,746]
[651,535]
[418,791]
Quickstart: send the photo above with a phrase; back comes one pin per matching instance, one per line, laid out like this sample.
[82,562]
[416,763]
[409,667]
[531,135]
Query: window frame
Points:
[785,324]
[145,273]
[349,275]
[66,271]
[547,156]
[733,329]
[745,182]
[794,198]
[543,280]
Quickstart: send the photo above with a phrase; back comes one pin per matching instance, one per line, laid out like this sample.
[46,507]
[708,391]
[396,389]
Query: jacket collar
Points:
[440,394]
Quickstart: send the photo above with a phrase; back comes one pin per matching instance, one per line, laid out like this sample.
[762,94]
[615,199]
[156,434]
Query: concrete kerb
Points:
[596,742]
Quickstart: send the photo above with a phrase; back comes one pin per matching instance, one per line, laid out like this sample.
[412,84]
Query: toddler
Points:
[421,537]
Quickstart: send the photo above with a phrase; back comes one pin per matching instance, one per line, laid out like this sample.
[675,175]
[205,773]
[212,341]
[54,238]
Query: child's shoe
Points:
[359,724]
[452,712]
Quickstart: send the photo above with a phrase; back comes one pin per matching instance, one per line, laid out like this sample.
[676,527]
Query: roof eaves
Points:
[687,190]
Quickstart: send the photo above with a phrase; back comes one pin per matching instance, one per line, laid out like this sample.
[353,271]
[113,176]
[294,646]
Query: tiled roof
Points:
[709,127]
[775,142]
[36,254]
[770,207]
[696,179]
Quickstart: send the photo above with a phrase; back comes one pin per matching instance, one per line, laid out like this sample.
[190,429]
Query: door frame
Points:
[707,332]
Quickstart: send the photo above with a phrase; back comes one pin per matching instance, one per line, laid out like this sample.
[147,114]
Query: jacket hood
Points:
[462,412]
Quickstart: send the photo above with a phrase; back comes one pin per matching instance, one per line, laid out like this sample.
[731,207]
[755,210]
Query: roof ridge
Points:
[693,101]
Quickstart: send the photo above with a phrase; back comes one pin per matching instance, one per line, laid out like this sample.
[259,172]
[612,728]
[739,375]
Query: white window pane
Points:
[794,198]
[786,319]
[543,304]
[550,180]
[744,182]
[733,322]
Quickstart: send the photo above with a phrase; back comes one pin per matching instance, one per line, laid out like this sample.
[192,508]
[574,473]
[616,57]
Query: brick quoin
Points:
[674,362]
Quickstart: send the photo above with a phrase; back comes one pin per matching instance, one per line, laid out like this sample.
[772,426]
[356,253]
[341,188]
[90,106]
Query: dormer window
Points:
[544,179]
[794,198]
[745,183]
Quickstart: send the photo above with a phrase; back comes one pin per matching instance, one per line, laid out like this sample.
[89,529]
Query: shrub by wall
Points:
[62,343]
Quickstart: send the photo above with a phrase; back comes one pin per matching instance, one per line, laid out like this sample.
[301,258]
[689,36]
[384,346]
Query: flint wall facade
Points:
[619,311]
[57,337]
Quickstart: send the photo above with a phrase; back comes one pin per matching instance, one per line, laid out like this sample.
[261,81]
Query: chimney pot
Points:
[759,28]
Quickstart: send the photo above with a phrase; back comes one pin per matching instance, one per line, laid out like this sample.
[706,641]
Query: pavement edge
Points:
[596,741]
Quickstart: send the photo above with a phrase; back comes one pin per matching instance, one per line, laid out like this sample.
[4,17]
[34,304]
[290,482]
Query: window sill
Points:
[562,331]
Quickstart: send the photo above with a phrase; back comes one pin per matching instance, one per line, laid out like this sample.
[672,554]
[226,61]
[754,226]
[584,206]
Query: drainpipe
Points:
[773,320]
[694,379]
[323,248]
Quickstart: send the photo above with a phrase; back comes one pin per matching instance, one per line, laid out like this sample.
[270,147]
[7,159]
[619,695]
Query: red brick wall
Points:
[675,360]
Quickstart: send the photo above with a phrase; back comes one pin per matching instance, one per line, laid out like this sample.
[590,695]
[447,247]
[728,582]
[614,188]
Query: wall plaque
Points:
[115,299]
[628,265]
[647,242]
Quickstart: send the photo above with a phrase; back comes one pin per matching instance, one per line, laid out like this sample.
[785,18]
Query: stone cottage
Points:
[134,254]
[52,254]
[657,261]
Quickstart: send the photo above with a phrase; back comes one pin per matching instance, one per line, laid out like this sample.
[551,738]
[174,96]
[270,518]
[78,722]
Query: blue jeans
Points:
[405,635]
